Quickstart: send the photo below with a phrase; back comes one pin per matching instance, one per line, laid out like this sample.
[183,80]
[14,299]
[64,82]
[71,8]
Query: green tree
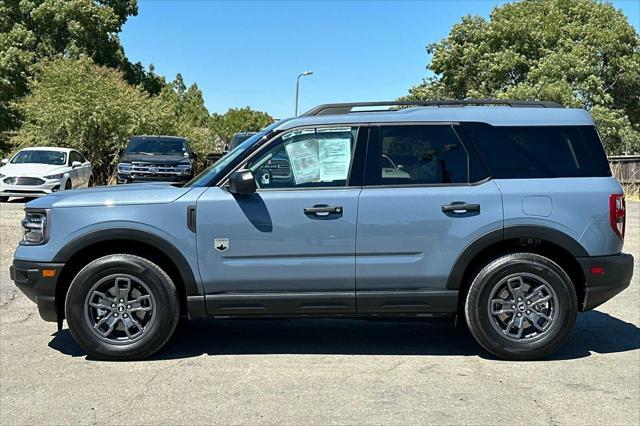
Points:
[34,30]
[580,53]
[77,104]
[224,126]
[190,115]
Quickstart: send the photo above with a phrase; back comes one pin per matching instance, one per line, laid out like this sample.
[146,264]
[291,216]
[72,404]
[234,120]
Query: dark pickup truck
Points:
[156,159]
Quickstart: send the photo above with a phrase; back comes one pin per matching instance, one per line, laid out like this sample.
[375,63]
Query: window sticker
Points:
[335,158]
[321,156]
[304,161]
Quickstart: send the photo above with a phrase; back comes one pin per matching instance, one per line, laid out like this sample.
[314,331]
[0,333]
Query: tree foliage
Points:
[235,120]
[77,104]
[35,30]
[580,53]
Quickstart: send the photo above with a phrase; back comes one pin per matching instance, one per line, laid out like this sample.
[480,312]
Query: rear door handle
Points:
[460,207]
[322,210]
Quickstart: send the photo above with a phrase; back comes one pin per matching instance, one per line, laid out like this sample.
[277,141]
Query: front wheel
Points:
[521,306]
[122,307]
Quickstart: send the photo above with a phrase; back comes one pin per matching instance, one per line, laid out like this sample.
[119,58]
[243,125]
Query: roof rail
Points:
[348,108]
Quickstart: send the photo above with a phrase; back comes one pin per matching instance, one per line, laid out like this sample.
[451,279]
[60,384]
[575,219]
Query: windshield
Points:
[157,146]
[213,170]
[55,158]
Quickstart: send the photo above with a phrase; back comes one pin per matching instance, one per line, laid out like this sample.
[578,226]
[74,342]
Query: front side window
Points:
[314,158]
[54,158]
[75,156]
[421,155]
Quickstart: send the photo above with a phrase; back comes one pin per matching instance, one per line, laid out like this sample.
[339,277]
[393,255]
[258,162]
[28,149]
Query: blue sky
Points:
[249,53]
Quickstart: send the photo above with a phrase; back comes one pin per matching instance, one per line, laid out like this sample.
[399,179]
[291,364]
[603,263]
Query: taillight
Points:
[617,214]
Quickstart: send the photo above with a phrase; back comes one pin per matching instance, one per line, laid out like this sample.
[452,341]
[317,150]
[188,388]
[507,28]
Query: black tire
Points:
[165,313]
[68,184]
[4,199]
[90,184]
[486,328]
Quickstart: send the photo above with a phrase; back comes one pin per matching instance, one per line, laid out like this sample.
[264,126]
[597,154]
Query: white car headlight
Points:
[35,227]
[56,176]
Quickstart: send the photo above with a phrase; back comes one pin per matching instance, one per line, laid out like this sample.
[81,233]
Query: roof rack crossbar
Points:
[347,108]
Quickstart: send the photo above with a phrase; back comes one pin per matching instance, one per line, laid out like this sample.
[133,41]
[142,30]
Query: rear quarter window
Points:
[522,152]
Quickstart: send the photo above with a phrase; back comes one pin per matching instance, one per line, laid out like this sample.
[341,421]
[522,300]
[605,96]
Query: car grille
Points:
[142,169]
[31,181]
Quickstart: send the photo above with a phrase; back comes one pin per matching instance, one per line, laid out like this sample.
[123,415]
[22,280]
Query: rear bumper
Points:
[618,270]
[28,278]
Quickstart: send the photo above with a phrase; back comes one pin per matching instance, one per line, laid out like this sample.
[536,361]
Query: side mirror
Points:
[4,161]
[76,164]
[242,182]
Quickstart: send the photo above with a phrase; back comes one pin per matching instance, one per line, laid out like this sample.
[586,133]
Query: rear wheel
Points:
[521,306]
[68,184]
[122,307]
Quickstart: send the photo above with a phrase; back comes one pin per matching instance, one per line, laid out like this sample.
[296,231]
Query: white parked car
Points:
[38,171]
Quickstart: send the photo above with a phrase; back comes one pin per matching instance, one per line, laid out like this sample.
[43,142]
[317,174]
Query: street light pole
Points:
[304,74]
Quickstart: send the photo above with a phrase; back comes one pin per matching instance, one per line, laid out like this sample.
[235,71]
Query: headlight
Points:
[124,168]
[56,176]
[35,227]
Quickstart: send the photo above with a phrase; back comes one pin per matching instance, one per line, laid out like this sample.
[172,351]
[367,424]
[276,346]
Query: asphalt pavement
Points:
[318,371]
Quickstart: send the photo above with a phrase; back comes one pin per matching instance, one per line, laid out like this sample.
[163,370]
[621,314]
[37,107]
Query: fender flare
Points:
[483,242]
[102,235]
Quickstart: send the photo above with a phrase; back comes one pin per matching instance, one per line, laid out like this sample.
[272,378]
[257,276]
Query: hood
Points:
[147,158]
[117,195]
[31,169]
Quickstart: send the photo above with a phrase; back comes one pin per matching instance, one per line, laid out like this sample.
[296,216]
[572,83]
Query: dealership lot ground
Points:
[318,371]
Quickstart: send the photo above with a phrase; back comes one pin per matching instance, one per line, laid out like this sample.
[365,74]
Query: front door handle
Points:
[460,207]
[323,210]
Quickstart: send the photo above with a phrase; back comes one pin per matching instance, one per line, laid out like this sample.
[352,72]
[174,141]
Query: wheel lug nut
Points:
[115,315]
[121,300]
[528,302]
[519,299]
[513,306]
[528,312]
[125,315]
[113,305]
[519,314]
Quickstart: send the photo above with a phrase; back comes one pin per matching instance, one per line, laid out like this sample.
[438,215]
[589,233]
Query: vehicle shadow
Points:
[594,332]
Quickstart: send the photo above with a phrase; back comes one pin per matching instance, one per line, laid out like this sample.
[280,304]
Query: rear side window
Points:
[522,152]
[420,155]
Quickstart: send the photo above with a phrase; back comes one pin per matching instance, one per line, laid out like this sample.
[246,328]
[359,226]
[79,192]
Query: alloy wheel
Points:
[523,307]
[120,309]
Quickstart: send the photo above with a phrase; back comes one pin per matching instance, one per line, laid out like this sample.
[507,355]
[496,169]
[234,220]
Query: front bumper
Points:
[616,276]
[28,277]
[49,186]
[132,178]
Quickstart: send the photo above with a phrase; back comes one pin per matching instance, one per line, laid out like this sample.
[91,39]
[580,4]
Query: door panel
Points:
[406,242]
[305,261]
[416,215]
